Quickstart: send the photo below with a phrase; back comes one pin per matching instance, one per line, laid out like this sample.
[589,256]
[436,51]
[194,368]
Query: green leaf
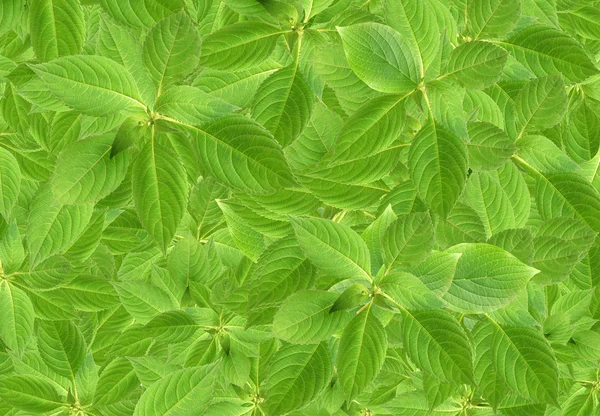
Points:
[10,12]
[239,46]
[353,296]
[486,278]
[500,198]
[141,13]
[228,150]
[116,381]
[489,147]
[247,239]
[16,326]
[12,252]
[492,18]
[371,129]
[93,85]
[580,403]
[10,182]
[437,343]
[191,105]
[408,240]
[29,393]
[297,375]
[543,155]
[283,104]
[57,28]
[477,65]
[85,172]
[409,291]
[582,139]
[546,51]
[380,57]
[171,50]
[524,360]
[412,19]
[181,392]
[304,318]
[144,300]
[540,104]
[53,227]
[437,162]
[334,248]
[568,195]
[61,346]
[160,190]
[361,353]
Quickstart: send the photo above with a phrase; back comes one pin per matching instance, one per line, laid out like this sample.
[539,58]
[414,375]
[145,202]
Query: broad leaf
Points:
[361,353]
[159,190]
[380,57]
[335,248]
[57,28]
[486,278]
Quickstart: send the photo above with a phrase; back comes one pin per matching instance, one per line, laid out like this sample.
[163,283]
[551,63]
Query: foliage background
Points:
[309,207]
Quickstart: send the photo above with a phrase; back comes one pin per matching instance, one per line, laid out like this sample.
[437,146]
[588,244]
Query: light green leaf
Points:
[16,325]
[444,98]
[116,381]
[283,104]
[171,50]
[180,393]
[437,162]
[580,403]
[486,278]
[370,130]
[29,393]
[85,172]
[335,248]
[191,105]
[489,147]
[568,195]
[247,239]
[93,85]
[500,198]
[57,28]
[10,12]
[408,240]
[540,104]
[543,155]
[160,190]
[228,150]
[477,65]
[144,300]
[10,182]
[437,271]
[297,375]
[380,57]
[582,139]
[53,227]
[141,13]
[412,19]
[239,46]
[12,252]
[361,353]
[436,343]
[304,317]
[545,51]
[409,291]
[524,360]
[490,19]
[373,236]
[61,346]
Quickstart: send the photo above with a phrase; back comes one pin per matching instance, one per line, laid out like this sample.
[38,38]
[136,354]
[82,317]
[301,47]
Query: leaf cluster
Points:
[306,207]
